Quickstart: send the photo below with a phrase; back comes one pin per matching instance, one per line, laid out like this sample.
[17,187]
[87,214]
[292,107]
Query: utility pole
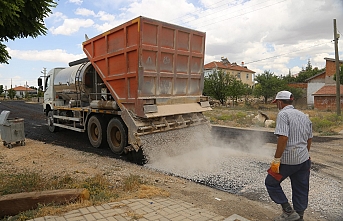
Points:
[338,85]
[44,76]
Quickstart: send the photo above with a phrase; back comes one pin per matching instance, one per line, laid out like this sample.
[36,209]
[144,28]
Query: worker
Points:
[291,159]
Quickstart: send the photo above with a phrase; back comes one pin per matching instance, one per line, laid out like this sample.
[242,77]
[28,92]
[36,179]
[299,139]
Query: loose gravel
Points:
[239,167]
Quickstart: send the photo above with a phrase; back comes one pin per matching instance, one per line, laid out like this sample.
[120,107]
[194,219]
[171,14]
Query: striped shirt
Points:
[295,125]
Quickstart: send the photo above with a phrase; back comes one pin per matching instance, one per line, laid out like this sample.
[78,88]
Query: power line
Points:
[245,13]
[199,10]
[302,49]
[203,17]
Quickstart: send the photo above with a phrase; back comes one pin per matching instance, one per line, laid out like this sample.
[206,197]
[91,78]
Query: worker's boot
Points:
[301,214]
[288,214]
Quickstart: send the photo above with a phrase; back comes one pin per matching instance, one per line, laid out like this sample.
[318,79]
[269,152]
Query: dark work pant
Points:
[300,176]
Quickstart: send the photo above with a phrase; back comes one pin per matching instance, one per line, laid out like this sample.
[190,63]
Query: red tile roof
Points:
[21,88]
[328,90]
[227,66]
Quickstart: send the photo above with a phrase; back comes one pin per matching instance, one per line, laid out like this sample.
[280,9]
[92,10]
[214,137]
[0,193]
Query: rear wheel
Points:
[50,121]
[137,157]
[116,135]
[96,132]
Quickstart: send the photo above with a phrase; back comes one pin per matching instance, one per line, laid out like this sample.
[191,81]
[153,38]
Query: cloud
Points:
[104,16]
[110,5]
[108,18]
[157,9]
[71,26]
[84,12]
[247,32]
[56,55]
[77,2]
[57,16]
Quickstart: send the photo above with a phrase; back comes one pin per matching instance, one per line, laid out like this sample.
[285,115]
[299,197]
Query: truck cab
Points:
[50,94]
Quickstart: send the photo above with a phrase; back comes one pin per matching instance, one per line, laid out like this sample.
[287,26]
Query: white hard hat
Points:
[283,95]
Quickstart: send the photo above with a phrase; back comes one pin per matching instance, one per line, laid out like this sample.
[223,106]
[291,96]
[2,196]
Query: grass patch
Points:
[132,183]
[24,182]
[147,191]
[100,188]
[323,122]
[326,123]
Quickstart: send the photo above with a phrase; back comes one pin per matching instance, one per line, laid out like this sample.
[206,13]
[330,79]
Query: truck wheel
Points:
[51,126]
[116,135]
[96,132]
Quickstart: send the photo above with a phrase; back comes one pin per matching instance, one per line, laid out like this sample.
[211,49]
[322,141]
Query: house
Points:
[325,98]
[314,83]
[321,87]
[21,92]
[241,72]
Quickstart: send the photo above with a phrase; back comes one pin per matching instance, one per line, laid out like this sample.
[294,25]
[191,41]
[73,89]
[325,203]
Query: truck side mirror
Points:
[40,83]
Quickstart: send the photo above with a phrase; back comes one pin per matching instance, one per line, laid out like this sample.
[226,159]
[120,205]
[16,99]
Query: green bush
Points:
[319,125]
[23,182]
[226,117]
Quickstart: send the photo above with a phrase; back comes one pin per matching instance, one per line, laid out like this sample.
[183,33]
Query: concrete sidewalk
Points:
[162,209]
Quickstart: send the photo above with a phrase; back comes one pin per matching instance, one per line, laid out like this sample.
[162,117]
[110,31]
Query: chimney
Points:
[225,60]
[243,65]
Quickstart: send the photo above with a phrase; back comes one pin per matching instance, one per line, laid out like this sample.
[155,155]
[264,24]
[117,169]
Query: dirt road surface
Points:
[68,152]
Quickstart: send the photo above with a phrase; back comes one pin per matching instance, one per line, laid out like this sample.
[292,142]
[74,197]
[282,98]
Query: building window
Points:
[239,75]
[247,76]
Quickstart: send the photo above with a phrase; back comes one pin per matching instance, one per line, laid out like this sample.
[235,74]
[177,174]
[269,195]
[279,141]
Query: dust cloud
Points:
[238,165]
[196,154]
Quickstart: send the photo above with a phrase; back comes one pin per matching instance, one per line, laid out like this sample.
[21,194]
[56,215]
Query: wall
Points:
[330,71]
[312,88]
[243,78]
[326,102]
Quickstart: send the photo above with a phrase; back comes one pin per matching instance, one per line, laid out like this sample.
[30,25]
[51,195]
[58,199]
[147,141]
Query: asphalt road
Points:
[326,191]
[35,128]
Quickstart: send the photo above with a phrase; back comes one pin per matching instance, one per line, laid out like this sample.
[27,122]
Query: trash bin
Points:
[12,130]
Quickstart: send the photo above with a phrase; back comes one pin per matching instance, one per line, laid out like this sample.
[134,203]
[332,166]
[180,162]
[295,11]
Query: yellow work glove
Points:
[275,165]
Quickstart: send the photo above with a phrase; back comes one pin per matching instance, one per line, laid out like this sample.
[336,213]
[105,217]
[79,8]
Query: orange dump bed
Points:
[148,62]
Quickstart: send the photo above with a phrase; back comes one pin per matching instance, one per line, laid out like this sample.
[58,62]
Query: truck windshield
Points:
[47,82]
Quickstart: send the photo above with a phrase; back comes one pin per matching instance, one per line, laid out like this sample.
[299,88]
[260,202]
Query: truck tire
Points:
[50,120]
[116,135]
[96,132]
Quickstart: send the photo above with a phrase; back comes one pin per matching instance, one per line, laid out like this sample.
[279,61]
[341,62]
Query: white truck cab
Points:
[50,94]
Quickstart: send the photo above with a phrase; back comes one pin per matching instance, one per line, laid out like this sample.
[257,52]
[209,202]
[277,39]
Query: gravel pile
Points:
[239,167]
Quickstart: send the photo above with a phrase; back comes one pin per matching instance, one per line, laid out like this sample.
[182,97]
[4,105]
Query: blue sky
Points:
[273,35]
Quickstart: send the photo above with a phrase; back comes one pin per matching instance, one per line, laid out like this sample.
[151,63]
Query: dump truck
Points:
[142,77]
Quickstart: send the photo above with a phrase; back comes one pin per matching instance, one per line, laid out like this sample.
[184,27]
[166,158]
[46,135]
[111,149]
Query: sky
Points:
[279,36]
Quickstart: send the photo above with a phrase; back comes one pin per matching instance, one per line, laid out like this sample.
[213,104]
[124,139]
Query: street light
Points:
[40,83]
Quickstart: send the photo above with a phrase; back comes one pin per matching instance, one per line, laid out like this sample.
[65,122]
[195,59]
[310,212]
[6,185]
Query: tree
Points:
[340,75]
[307,73]
[216,86]
[309,66]
[236,89]
[297,92]
[289,78]
[247,92]
[1,89]
[268,85]
[11,93]
[22,19]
